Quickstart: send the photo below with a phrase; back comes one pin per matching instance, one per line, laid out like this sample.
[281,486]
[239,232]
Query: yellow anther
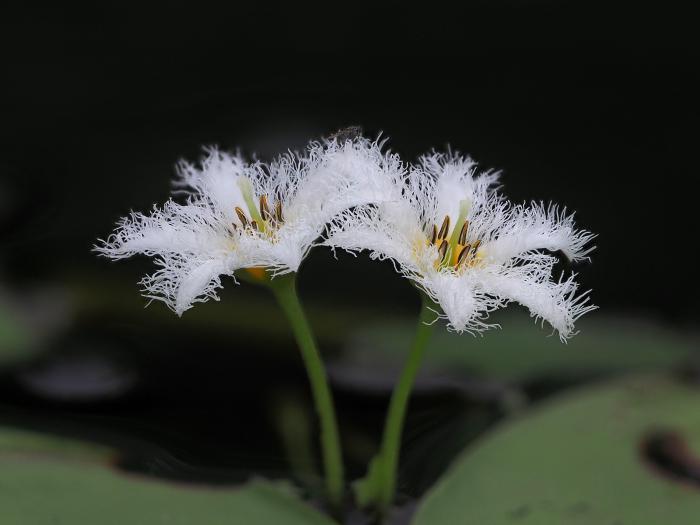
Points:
[463,255]
[443,250]
[445,228]
[278,212]
[264,209]
[463,233]
[241,216]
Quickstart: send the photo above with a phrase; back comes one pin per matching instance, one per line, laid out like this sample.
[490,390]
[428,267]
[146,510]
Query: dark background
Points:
[591,107]
[594,107]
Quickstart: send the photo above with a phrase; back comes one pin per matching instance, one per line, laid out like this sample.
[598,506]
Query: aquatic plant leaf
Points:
[45,480]
[522,351]
[585,457]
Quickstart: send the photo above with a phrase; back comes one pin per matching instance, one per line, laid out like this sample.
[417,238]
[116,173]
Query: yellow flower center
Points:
[454,250]
[262,218]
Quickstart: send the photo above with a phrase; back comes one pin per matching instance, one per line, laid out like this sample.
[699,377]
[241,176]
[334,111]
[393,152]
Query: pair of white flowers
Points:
[444,225]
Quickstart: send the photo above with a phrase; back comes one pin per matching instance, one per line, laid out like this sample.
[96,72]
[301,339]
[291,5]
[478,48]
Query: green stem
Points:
[391,442]
[284,289]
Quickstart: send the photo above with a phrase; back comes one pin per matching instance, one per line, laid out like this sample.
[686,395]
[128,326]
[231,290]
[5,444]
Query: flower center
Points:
[454,250]
[262,218]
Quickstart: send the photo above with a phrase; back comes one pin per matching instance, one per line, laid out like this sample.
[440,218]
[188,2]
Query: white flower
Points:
[239,215]
[467,247]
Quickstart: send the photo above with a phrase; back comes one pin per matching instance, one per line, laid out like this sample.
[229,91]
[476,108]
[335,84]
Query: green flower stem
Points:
[391,441]
[284,289]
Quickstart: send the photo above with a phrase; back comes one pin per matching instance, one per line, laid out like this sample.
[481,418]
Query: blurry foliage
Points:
[294,425]
[577,459]
[521,350]
[248,312]
[29,319]
[44,481]
[14,338]
[574,458]
[21,443]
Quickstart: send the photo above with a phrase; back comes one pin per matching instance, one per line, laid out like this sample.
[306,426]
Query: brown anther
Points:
[278,212]
[443,249]
[463,233]
[476,245]
[241,216]
[463,255]
[264,208]
[433,237]
[444,228]
[254,225]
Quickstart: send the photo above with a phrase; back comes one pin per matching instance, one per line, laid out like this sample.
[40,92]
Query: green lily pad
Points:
[45,480]
[522,350]
[17,442]
[576,460]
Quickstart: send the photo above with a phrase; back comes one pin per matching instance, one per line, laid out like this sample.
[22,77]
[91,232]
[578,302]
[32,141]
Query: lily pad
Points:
[522,351]
[581,458]
[45,480]
[22,443]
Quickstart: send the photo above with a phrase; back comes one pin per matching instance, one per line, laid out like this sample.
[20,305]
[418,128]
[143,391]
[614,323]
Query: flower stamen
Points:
[463,233]
[242,217]
[261,218]
[264,209]
[442,250]
[463,255]
[433,237]
[278,213]
[453,249]
[445,228]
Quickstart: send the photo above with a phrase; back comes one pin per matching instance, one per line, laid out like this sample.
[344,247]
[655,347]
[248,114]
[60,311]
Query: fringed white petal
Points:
[220,180]
[465,304]
[539,228]
[377,230]
[339,176]
[457,186]
[185,280]
[173,229]
[552,301]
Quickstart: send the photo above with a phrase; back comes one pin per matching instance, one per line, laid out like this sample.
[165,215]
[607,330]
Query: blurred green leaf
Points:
[29,319]
[576,460]
[246,311]
[14,337]
[45,480]
[26,443]
[295,427]
[522,350]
